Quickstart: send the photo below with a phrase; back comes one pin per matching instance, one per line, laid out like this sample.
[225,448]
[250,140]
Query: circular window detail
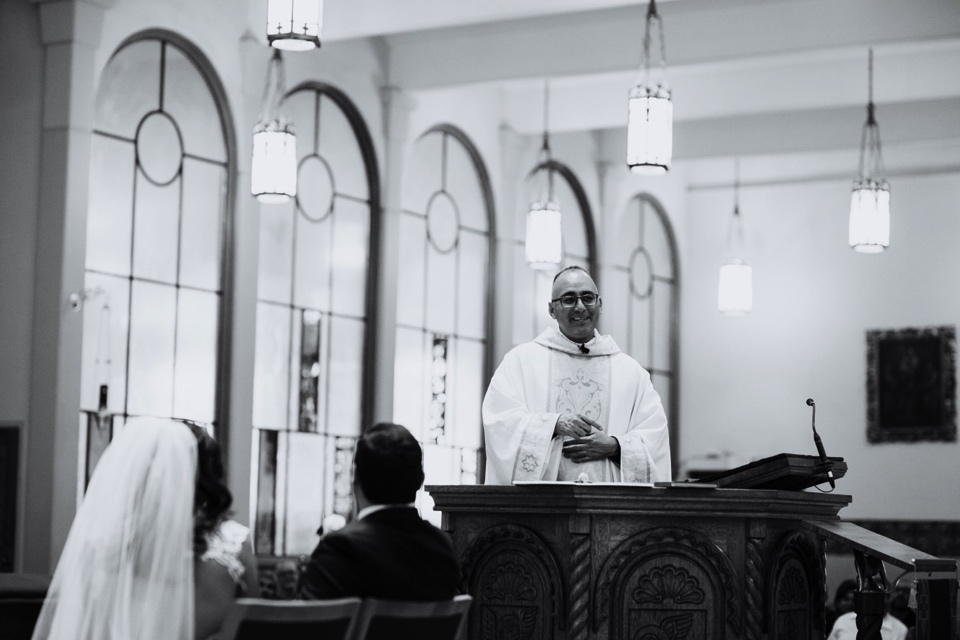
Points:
[443,222]
[641,273]
[315,188]
[159,148]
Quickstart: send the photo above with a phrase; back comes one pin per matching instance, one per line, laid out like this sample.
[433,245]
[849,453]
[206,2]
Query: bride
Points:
[151,554]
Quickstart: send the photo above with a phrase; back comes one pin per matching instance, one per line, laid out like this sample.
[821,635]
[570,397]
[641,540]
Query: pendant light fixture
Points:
[294,25]
[544,236]
[273,173]
[650,112]
[735,290]
[870,200]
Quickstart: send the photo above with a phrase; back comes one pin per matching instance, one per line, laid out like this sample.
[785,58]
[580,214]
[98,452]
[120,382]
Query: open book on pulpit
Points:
[784,471]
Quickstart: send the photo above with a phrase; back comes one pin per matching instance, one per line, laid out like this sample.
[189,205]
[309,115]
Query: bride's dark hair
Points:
[212,498]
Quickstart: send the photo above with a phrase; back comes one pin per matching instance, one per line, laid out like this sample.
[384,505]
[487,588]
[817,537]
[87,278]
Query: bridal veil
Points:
[126,572]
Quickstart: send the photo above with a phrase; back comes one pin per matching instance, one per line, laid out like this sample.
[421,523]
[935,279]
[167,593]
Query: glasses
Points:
[569,301]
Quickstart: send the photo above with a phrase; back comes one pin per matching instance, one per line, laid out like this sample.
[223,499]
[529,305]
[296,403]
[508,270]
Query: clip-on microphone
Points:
[583,348]
[819,443]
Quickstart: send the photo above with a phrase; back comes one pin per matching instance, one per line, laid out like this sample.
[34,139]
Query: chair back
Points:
[391,619]
[21,598]
[18,617]
[257,619]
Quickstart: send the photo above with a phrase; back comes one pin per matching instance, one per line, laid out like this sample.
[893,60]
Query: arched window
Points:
[532,287]
[161,179]
[444,309]
[642,299]
[314,302]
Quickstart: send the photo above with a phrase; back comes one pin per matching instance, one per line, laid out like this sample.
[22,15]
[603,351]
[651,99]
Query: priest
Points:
[571,405]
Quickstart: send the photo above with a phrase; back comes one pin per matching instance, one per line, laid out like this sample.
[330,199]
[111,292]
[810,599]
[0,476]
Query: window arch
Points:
[444,305]
[642,300]
[157,248]
[315,310]
[532,290]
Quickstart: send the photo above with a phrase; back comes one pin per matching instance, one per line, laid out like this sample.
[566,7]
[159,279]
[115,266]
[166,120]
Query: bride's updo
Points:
[212,498]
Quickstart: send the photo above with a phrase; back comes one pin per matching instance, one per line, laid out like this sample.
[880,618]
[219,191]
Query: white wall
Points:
[20,66]
[746,379]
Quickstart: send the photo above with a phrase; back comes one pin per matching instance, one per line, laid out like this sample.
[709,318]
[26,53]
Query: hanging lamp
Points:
[735,289]
[650,112]
[870,200]
[544,245]
[273,172]
[294,25]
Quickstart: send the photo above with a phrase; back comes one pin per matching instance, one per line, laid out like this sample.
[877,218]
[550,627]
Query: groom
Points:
[388,551]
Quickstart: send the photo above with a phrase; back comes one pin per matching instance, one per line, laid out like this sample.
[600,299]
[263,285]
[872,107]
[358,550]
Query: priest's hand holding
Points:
[573,426]
[594,446]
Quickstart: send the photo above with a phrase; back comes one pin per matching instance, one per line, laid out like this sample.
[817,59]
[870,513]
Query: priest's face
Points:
[578,322]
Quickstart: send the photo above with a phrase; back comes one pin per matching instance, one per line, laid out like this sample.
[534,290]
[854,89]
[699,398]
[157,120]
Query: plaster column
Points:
[397,107]
[70,31]
[609,180]
[513,166]
[243,269]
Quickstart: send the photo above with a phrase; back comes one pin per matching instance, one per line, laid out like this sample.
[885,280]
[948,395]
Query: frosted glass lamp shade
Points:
[273,174]
[870,216]
[649,130]
[544,236]
[294,25]
[735,291]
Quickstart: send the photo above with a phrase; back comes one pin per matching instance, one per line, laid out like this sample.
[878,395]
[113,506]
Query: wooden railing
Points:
[936,580]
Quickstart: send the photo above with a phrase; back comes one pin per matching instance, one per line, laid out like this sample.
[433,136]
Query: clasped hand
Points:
[590,441]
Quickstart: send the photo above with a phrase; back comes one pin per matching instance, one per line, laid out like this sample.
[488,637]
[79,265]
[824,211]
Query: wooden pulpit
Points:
[551,561]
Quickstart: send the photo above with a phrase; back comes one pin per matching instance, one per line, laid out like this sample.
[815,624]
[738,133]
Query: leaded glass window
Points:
[642,298]
[160,180]
[531,292]
[312,325]
[443,305]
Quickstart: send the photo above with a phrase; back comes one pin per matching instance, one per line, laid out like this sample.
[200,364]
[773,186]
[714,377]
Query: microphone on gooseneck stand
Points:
[583,348]
[819,443]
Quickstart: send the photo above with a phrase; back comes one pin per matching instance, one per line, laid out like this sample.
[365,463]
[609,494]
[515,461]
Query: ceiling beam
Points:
[697,32]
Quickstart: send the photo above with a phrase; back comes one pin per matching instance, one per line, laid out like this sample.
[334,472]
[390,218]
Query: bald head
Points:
[575,272]
[579,321]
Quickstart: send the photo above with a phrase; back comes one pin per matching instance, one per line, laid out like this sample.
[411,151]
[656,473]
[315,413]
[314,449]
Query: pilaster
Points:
[70,32]
[513,167]
[397,108]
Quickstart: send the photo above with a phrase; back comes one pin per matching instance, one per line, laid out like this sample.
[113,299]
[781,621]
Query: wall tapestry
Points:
[911,385]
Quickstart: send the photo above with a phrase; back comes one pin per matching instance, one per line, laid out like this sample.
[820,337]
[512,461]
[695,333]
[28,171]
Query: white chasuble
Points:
[540,380]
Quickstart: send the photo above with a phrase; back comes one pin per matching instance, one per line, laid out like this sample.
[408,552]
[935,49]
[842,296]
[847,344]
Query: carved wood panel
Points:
[795,590]
[667,584]
[516,585]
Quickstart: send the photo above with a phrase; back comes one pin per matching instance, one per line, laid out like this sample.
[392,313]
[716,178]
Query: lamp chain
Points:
[871,156]
[735,240]
[545,150]
[273,89]
[736,186]
[652,16]
[546,116]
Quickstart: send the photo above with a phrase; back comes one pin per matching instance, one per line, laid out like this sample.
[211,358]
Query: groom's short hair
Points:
[388,464]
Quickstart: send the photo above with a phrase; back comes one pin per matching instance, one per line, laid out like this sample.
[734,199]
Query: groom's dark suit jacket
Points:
[391,554]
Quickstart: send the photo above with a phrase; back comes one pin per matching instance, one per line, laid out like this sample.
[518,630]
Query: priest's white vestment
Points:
[540,380]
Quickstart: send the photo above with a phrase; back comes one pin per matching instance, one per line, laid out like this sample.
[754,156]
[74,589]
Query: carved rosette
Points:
[516,584]
[664,584]
[796,589]
[668,583]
